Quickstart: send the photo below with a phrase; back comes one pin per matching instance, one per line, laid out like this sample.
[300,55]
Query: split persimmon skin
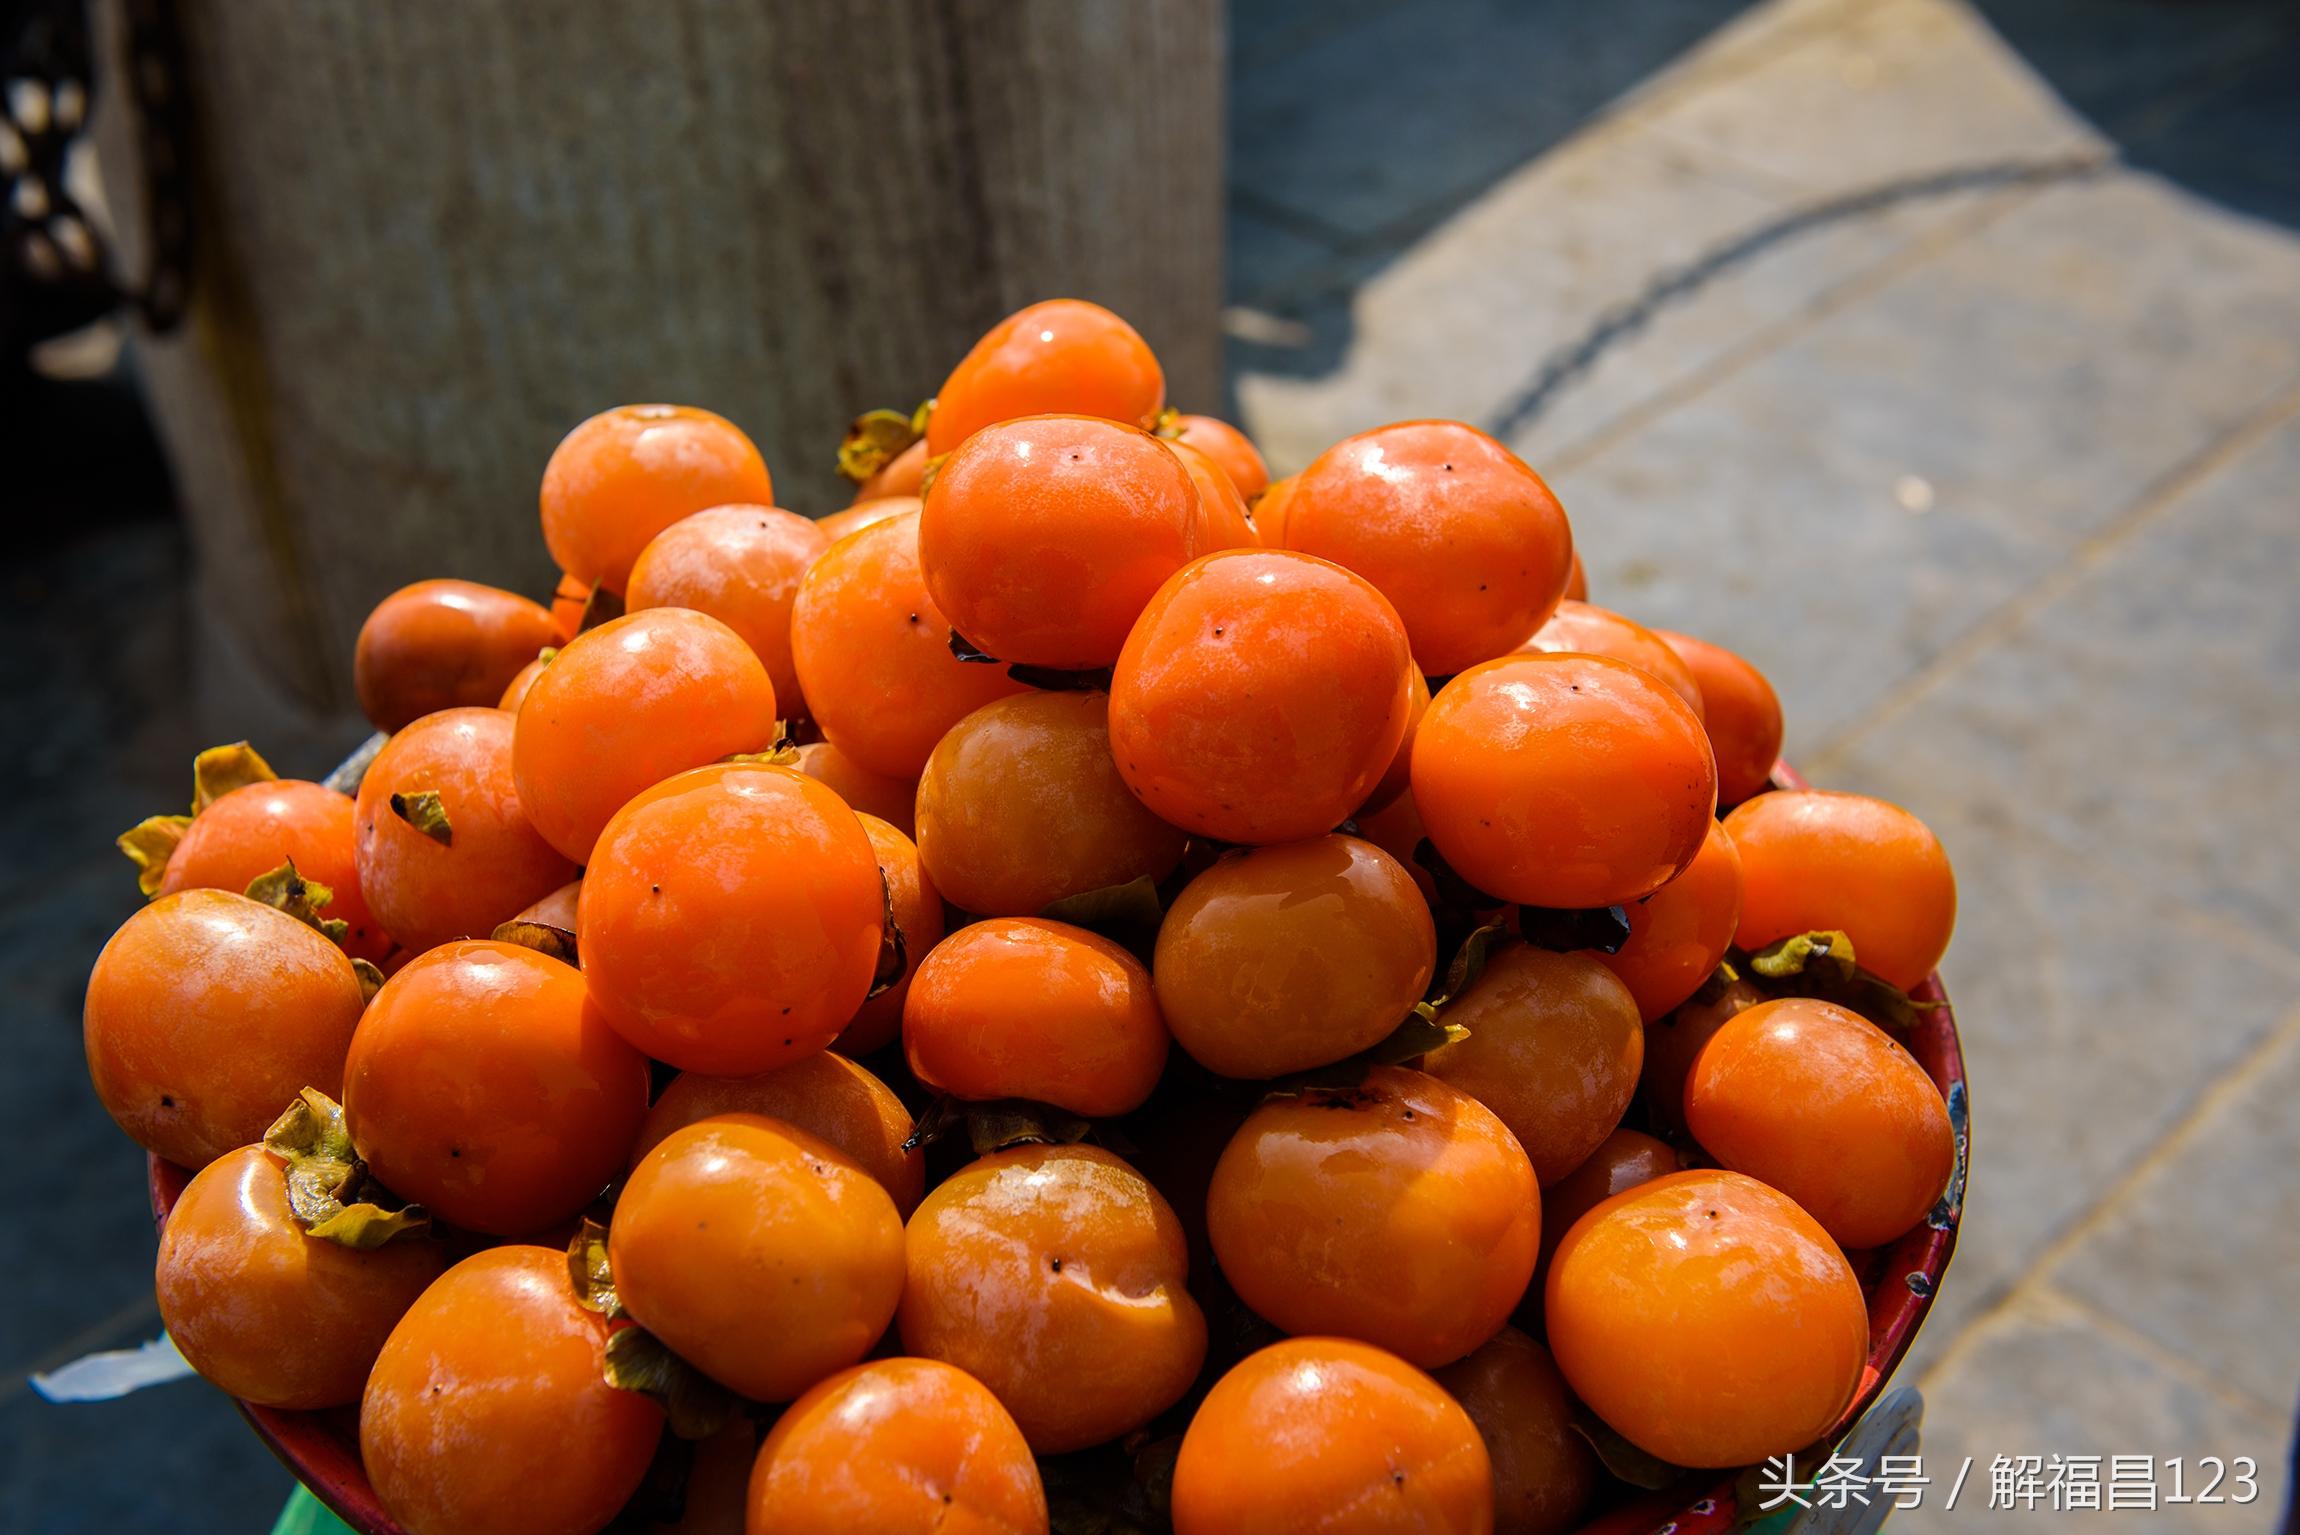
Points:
[1229,448]
[1580,627]
[255,828]
[626,474]
[1741,712]
[1678,935]
[266,1313]
[444,645]
[1816,860]
[742,565]
[1062,355]
[826,1095]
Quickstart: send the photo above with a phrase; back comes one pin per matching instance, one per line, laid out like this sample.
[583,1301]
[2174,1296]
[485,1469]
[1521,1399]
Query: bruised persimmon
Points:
[1020,1007]
[1673,1042]
[1741,712]
[1544,1472]
[1278,959]
[1464,540]
[1021,805]
[252,830]
[1400,1212]
[1261,696]
[1567,781]
[1679,933]
[1815,860]
[206,1014]
[445,846]
[1055,1276]
[918,912]
[625,706]
[824,1094]
[1223,522]
[732,918]
[1229,448]
[483,1085]
[1707,1319]
[1042,538]
[444,645]
[1317,1436]
[1581,628]
[1062,354]
[896,1447]
[626,474]
[268,1314]
[892,800]
[863,514]
[742,565]
[489,1407]
[901,475]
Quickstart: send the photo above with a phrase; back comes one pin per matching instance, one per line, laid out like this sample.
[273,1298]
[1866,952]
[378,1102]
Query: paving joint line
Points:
[2121,1331]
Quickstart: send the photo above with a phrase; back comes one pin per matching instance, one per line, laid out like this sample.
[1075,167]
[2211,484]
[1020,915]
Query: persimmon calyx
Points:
[1467,964]
[592,1274]
[893,949]
[542,937]
[330,1192]
[877,438]
[427,813]
[1127,915]
[783,751]
[219,770]
[370,979]
[283,889]
[1821,964]
[1623,1459]
[998,1124]
[1421,1032]
[1167,423]
[695,1406]
[149,844]
[927,474]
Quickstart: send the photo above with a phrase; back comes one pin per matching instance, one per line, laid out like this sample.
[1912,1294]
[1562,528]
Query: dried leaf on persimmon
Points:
[283,889]
[149,844]
[370,978]
[542,937]
[329,1190]
[695,1405]
[875,439]
[588,1267]
[221,769]
[427,813]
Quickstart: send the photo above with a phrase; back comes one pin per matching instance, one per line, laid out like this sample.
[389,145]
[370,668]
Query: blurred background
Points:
[1941,356]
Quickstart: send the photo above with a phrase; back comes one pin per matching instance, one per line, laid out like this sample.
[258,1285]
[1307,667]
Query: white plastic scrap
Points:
[113,1373]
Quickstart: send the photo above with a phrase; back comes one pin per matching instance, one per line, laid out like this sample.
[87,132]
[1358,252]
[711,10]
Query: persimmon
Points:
[444,645]
[206,1014]
[522,682]
[1042,538]
[759,1253]
[1318,1436]
[1673,1042]
[824,1094]
[1060,355]
[481,860]
[626,474]
[1398,776]
[250,831]
[1577,583]
[483,1085]
[1823,1105]
[569,599]
[732,918]
[1741,712]
[1544,1472]
[898,1447]
[557,909]
[1567,781]
[1229,448]
[716,1499]
[1261,696]
[625,706]
[1223,522]
[1679,933]
[1269,512]
[1622,1161]
[1707,1319]
[489,1407]
[742,565]
[892,800]
[918,912]
[873,654]
[1278,959]
[1816,859]
[1020,1007]
[901,475]
[1401,1212]
[1580,628]
[1021,805]
[1397,830]
[864,513]
[266,1313]
[1464,540]
[1055,1276]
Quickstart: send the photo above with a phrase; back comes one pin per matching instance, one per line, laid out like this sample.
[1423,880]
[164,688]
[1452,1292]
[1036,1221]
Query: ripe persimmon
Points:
[1229,448]
[892,800]
[1318,1435]
[918,912]
[1261,696]
[206,1014]
[1621,1162]
[1055,1276]
[1679,933]
[863,514]
[1580,628]
[521,684]
[1814,859]
[252,830]
[558,909]
[1741,712]
[1269,512]
[483,1085]
[1577,584]
[263,1311]
[1062,354]
[1223,522]
[824,1094]
[444,645]
[742,565]
[626,474]
[899,476]
[1401,1212]
[1278,959]
[1544,1472]
[1398,776]
[1567,781]
[1672,1043]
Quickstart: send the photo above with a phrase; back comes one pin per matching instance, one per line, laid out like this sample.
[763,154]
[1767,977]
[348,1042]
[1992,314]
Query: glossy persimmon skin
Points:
[1466,542]
[1741,711]
[1554,1049]
[483,1085]
[206,1014]
[425,892]
[874,655]
[1622,1161]
[757,1252]
[824,1094]
[1679,933]
[918,911]
[1055,1275]
[1042,538]
[1814,859]
[1673,1042]
[1580,627]
[1326,1436]
[868,513]
[1823,1105]
[1022,804]
[255,828]
[1261,696]
[444,645]
[1020,1007]
[731,918]
[1063,354]
[625,706]
[489,1409]
[1400,1212]
[742,565]
[1223,521]
[264,1312]
[899,1447]
[892,800]
[1398,776]
[1278,959]
[1565,781]
[1707,1319]
[901,475]
[1544,1472]
[626,474]
[1229,448]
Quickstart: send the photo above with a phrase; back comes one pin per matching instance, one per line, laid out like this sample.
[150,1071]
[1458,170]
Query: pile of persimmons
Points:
[1088,987]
